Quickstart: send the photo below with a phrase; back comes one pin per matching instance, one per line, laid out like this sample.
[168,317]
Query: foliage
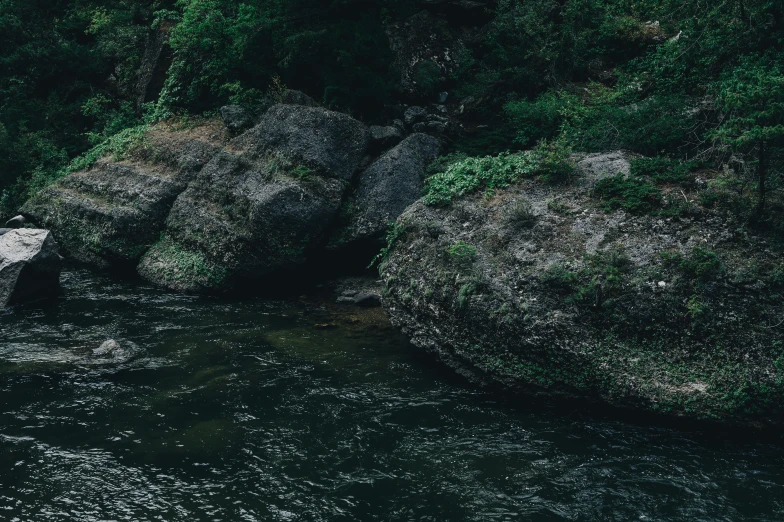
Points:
[395,233]
[519,214]
[663,170]
[55,100]
[628,193]
[461,250]
[700,265]
[468,174]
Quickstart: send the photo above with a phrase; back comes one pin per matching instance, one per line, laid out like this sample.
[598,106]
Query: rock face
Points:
[236,118]
[390,184]
[29,265]
[330,142]
[260,205]
[193,210]
[537,287]
[382,138]
[594,167]
[109,215]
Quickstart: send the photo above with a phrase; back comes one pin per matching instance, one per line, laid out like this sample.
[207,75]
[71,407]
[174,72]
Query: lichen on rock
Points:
[536,286]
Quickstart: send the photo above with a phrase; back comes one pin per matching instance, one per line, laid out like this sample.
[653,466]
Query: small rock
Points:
[349,293]
[367,300]
[442,97]
[16,222]
[383,138]
[345,300]
[414,115]
[324,326]
[110,348]
[662,284]
[294,97]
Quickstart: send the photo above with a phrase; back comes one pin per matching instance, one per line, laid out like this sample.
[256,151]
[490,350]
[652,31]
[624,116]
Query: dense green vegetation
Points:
[687,84]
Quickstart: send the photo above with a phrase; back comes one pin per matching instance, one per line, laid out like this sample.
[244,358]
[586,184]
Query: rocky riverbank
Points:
[545,284]
[193,209]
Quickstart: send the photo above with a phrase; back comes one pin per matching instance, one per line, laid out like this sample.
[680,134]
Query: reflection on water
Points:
[249,411]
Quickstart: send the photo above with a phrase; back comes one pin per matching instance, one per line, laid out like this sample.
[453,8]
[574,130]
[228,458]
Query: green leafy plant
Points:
[395,233]
[461,250]
[627,193]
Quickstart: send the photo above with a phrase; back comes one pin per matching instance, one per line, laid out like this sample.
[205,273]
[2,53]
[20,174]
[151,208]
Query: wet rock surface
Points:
[30,266]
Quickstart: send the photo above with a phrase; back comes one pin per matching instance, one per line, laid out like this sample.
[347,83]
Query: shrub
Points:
[468,175]
[557,276]
[702,264]
[519,214]
[664,170]
[630,194]
[462,250]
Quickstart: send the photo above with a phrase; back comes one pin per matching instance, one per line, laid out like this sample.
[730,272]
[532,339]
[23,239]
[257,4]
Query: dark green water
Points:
[247,411]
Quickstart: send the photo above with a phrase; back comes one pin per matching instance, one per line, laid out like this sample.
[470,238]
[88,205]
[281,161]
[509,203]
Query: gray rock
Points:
[5,230]
[108,349]
[236,118]
[367,300]
[442,97]
[390,184]
[330,142]
[529,302]
[16,222]
[110,214]
[113,352]
[414,115]
[29,266]
[594,167]
[293,97]
[262,204]
[383,138]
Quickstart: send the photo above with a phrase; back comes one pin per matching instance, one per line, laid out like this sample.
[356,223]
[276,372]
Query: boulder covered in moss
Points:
[111,213]
[261,205]
[329,142]
[544,288]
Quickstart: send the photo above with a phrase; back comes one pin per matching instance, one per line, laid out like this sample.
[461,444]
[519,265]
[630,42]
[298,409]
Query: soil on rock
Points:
[110,214]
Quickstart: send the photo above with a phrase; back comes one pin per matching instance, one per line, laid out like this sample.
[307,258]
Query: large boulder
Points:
[537,287]
[29,265]
[260,206]
[389,185]
[330,142]
[591,168]
[111,213]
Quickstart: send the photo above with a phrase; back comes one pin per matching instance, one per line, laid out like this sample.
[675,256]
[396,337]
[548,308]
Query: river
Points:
[297,410]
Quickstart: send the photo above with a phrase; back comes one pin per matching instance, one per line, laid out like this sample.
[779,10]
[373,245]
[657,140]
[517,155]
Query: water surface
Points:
[295,410]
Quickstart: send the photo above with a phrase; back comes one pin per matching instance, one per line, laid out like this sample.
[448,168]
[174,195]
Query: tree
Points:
[752,98]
